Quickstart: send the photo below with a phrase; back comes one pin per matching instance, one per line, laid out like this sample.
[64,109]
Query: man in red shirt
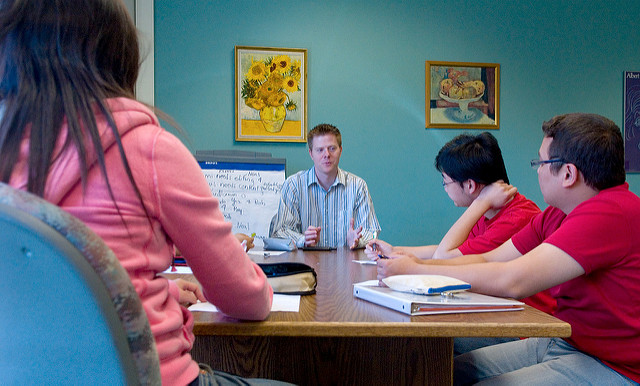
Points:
[474,176]
[584,247]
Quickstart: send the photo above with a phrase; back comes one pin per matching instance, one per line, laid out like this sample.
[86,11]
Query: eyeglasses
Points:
[446,183]
[536,163]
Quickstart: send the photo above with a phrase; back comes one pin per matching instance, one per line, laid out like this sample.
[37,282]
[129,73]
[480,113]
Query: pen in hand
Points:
[374,247]
[380,254]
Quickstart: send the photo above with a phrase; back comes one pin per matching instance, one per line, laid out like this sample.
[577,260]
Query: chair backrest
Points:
[68,313]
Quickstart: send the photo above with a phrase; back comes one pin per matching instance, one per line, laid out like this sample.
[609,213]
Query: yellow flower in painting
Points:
[295,69]
[290,84]
[276,79]
[265,91]
[291,105]
[249,89]
[272,67]
[277,99]
[282,63]
[270,82]
[258,71]
[255,103]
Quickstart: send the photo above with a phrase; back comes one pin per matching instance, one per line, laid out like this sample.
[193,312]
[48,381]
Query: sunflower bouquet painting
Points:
[270,94]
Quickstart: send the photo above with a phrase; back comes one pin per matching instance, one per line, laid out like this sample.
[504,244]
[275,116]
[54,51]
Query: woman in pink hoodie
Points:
[72,132]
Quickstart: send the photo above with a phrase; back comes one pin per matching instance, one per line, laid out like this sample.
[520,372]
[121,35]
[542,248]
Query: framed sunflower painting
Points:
[271,94]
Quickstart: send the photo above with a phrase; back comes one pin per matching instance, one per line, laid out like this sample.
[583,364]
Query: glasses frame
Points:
[536,163]
[444,184]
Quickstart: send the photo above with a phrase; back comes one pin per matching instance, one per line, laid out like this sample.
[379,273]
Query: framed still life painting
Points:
[462,95]
[271,94]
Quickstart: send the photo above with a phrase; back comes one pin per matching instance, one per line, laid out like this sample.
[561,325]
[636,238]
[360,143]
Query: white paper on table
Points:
[285,303]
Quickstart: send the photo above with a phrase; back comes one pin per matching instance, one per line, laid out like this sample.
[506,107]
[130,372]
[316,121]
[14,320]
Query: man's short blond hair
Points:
[323,129]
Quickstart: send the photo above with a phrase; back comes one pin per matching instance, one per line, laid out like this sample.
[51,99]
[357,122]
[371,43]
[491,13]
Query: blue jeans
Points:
[464,345]
[209,377]
[533,361]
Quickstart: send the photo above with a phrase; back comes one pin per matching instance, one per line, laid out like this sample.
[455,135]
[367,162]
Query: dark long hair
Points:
[61,59]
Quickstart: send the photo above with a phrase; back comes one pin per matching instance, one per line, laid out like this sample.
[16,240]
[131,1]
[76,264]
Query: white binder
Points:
[446,303]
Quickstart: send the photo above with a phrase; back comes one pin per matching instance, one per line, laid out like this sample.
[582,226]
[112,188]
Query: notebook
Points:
[445,303]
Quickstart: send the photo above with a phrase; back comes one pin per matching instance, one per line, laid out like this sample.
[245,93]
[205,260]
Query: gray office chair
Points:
[68,311]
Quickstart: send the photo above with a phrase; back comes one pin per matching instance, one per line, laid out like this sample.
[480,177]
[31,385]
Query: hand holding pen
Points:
[246,240]
[378,249]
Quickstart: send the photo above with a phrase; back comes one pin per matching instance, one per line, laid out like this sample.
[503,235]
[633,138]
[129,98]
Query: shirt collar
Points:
[341,178]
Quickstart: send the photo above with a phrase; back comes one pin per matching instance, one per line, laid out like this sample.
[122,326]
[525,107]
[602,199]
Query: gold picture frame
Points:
[462,95]
[271,94]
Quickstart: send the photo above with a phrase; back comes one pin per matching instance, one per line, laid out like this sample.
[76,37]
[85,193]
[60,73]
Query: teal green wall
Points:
[366,76]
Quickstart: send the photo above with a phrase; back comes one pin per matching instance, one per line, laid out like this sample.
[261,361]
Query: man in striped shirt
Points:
[325,206]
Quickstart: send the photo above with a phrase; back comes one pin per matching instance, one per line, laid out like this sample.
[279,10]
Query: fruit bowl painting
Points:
[462,95]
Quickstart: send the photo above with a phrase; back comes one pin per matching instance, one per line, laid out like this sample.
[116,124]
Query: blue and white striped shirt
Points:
[304,203]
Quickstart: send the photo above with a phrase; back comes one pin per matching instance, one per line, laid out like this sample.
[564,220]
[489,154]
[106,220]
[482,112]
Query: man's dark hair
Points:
[592,143]
[323,129]
[475,157]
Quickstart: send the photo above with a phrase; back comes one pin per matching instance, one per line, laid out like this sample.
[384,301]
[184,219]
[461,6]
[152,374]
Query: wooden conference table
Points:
[339,339]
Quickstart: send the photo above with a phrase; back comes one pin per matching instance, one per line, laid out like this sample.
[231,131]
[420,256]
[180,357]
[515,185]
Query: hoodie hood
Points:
[64,173]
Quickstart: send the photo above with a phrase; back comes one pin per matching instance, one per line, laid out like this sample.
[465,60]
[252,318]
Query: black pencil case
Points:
[290,278]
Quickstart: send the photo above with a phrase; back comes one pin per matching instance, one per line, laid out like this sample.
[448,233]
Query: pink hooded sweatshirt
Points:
[182,211]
